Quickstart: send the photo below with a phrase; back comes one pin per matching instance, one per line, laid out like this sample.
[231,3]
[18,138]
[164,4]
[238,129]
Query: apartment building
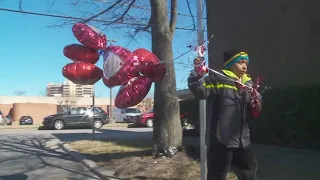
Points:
[54,90]
[69,89]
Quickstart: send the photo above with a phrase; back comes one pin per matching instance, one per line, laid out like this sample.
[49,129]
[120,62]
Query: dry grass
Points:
[132,160]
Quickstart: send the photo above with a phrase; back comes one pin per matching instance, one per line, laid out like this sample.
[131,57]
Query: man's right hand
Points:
[199,66]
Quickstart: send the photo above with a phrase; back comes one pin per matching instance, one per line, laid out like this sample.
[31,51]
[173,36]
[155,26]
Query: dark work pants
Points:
[220,159]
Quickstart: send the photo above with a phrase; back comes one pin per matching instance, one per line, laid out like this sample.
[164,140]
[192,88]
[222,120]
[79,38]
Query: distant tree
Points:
[66,103]
[19,93]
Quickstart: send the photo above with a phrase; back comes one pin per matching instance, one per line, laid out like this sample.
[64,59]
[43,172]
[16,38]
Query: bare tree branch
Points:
[173,15]
[102,12]
[19,93]
[124,13]
[189,8]
[20,5]
[66,103]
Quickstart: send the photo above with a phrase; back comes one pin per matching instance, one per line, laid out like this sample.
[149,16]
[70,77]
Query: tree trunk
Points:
[167,131]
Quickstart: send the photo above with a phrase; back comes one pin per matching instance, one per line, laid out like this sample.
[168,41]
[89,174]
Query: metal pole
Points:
[92,120]
[202,103]
[110,107]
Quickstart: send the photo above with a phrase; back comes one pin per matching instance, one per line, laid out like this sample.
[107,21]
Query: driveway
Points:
[26,155]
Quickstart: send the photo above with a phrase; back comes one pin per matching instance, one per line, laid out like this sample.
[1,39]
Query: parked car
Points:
[8,120]
[126,115]
[5,119]
[1,117]
[147,119]
[26,120]
[77,117]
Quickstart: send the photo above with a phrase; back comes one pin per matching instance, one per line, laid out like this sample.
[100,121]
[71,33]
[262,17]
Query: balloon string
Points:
[218,73]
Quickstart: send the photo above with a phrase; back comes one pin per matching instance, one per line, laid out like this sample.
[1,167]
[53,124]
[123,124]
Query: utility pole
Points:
[92,120]
[202,103]
[110,107]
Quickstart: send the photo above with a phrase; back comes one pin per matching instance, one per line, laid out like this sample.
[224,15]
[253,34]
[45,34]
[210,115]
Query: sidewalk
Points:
[275,163]
[278,163]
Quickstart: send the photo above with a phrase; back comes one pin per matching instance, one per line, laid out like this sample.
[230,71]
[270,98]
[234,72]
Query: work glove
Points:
[200,68]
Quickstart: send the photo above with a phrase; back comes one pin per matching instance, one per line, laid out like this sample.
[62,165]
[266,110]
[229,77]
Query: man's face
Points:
[240,68]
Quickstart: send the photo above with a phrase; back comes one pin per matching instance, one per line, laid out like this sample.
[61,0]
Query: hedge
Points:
[290,118]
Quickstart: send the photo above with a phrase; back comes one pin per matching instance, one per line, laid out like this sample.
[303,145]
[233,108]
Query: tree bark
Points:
[167,131]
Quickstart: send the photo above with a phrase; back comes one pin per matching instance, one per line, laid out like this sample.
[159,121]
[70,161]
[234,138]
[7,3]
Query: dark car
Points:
[26,120]
[77,117]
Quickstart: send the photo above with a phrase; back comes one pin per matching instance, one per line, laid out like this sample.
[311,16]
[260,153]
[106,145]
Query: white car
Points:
[125,115]
[1,117]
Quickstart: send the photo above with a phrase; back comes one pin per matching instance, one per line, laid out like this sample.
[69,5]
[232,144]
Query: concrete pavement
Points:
[25,155]
[39,154]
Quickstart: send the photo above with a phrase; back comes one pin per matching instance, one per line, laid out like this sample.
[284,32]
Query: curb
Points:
[18,128]
[92,166]
[9,127]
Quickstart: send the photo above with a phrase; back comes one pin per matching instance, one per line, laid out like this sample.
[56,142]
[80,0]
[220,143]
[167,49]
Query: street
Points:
[34,154]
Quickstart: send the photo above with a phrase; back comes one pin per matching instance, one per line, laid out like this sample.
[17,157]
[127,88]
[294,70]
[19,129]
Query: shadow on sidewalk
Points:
[18,176]
[33,153]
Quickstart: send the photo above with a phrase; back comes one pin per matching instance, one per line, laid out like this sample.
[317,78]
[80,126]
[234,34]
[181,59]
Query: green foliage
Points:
[290,118]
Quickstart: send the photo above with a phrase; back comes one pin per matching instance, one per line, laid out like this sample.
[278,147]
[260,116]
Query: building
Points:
[184,94]
[69,89]
[281,38]
[39,107]
[53,90]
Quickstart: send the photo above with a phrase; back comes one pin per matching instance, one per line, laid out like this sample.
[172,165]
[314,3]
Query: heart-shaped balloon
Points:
[89,36]
[151,66]
[111,82]
[133,92]
[78,52]
[119,65]
[82,73]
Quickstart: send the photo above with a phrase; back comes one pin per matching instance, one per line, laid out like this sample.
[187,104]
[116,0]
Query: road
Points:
[32,154]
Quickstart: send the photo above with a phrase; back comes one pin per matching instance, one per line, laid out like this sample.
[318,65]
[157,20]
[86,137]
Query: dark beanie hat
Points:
[232,56]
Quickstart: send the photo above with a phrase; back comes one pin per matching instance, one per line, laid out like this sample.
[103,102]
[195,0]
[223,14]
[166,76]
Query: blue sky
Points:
[31,51]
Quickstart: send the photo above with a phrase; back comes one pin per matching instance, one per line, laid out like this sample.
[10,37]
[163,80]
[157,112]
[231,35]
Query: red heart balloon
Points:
[133,92]
[119,65]
[111,82]
[82,73]
[78,52]
[89,36]
[151,66]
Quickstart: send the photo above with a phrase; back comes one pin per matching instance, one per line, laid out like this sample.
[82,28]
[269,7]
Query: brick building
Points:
[40,106]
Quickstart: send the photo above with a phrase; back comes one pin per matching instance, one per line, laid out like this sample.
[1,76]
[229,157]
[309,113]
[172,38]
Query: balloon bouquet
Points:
[133,71]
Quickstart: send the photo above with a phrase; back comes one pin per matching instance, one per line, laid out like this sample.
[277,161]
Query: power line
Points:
[143,8]
[78,18]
